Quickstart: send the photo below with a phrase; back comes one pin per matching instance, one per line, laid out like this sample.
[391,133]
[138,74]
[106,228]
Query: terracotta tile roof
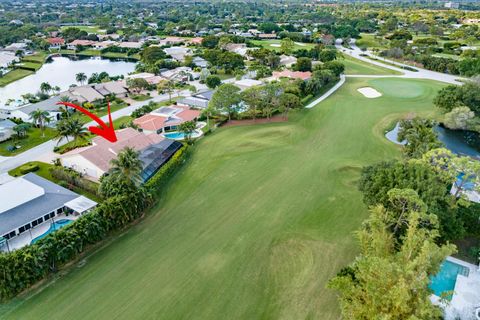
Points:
[154,122]
[292,74]
[78,42]
[101,152]
[55,40]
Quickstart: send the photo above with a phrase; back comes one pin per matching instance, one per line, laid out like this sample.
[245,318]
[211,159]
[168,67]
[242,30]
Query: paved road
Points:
[45,149]
[357,53]
[328,93]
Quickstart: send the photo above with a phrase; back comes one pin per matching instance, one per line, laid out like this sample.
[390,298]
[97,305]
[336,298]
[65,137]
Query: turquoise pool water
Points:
[175,135]
[53,227]
[446,278]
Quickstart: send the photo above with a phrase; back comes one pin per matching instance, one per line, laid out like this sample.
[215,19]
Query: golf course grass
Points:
[252,227]
[358,67]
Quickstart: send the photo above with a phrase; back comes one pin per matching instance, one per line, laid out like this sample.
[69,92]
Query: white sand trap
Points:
[300,44]
[276,45]
[369,92]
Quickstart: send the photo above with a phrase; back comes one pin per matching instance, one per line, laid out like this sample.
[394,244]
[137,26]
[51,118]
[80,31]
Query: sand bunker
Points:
[300,44]
[369,92]
[276,45]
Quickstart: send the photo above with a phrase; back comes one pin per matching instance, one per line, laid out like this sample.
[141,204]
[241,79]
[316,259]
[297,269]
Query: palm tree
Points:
[188,128]
[81,77]
[77,130]
[40,118]
[21,129]
[45,87]
[64,109]
[127,165]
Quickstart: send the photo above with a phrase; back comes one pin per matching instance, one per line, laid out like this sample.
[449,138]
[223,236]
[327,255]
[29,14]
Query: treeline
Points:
[125,201]
[413,218]
[467,67]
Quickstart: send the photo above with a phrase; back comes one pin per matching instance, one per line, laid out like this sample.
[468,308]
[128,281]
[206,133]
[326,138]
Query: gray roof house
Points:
[199,100]
[29,201]
[6,129]
[49,105]
[200,62]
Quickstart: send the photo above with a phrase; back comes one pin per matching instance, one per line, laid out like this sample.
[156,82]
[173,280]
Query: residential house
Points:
[149,77]
[181,74]
[95,92]
[6,129]
[99,45]
[265,36]
[178,53]
[7,58]
[111,36]
[17,46]
[196,41]
[287,61]
[247,83]
[130,45]
[166,119]
[95,160]
[77,42]
[276,75]
[55,43]
[169,41]
[49,105]
[199,100]
[200,62]
[30,203]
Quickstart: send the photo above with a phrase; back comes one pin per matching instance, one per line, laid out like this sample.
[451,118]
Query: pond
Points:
[466,143]
[61,71]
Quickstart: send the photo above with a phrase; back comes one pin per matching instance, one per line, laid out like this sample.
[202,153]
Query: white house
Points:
[6,129]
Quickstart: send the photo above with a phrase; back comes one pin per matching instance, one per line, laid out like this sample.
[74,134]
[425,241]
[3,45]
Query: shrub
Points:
[27,168]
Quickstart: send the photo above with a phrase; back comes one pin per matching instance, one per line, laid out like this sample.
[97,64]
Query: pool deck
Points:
[27,237]
[466,297]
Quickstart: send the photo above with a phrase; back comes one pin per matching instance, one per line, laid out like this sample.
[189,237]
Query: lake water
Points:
[61,71]
[465,143]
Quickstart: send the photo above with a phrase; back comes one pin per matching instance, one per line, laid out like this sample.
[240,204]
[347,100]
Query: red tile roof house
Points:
[84,43]
[306,75]
[55,43]
[166,119]
[94,160]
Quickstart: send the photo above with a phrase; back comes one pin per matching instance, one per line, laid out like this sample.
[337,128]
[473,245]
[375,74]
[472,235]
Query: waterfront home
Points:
[30,203]
[149,77]
[55,43]
[130,45]
[95,92]
[83,43]
[166,119]
[17,46]
[7,58]
[49,105]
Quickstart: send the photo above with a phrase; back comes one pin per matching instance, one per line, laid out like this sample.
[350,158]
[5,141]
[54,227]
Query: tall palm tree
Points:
[81,77]
[77,130]
[187,128]
[45,87]
[40,118]
[127,165]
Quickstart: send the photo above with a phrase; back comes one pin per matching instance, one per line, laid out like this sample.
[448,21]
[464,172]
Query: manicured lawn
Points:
[34,139]
[251,228]
[369,41]
[357,67]
[101,112]
[14,75]
[38,57]
[121,121]
[44,172]
[275,44]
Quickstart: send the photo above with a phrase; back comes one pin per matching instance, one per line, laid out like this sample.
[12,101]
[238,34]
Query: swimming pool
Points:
[469,185]
[446,278]
[175,135]
[53,227]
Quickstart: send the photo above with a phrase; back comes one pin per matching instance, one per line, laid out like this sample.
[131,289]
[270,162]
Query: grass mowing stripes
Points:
[252,227]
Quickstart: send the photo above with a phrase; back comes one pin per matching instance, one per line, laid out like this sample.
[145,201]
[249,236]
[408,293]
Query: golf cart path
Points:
[357,53]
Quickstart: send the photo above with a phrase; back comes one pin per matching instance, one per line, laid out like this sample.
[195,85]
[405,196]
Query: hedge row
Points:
[22,268]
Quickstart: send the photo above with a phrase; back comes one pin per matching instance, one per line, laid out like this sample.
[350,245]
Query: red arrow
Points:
[108,132]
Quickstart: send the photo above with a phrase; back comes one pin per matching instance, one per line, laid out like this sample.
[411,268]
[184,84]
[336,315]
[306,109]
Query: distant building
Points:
[452,5]
[287,61]
[267,36]
[200,62]
[247,83]
[7,58]
[178,53]
[291,74]
[17,46]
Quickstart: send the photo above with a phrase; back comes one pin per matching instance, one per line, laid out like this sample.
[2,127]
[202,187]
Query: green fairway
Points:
[251,228]
[357,67]
[275,44]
